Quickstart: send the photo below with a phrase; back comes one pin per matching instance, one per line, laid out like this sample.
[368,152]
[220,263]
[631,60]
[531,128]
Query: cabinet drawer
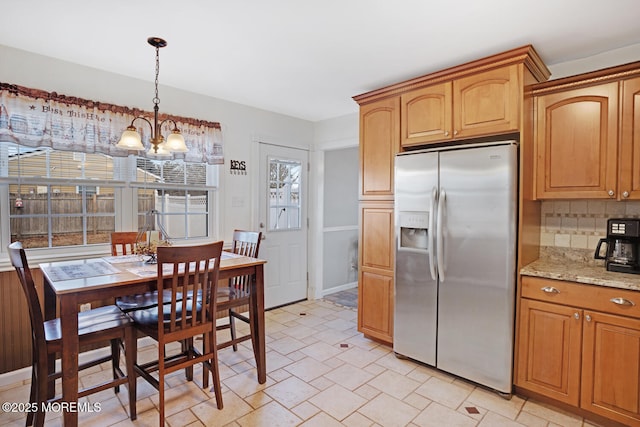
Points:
[593,297]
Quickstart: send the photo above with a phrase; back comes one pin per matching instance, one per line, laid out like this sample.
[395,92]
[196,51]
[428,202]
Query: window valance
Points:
[37,118]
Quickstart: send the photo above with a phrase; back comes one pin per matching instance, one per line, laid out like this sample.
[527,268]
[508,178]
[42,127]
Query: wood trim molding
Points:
[593,78]
[523,55]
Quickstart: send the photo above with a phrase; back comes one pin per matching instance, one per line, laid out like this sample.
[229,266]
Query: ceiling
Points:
[308,58]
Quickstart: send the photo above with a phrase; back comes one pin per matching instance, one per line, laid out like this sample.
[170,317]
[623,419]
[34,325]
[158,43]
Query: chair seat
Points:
[100,319]
[149,316]
[141,301]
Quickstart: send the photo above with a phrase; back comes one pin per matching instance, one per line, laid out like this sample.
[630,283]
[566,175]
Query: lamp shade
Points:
[175,142]
[130,140]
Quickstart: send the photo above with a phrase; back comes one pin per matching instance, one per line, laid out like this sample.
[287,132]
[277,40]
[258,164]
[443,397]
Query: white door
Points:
[283,222]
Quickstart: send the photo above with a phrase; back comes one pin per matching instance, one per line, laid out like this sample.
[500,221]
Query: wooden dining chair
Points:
[124,242]
[100,325]
[233,299]
[190,271]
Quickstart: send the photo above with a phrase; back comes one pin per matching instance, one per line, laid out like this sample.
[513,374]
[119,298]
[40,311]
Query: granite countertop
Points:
[578,266]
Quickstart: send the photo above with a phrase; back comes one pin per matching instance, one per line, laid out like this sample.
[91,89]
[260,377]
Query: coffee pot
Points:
[622,241]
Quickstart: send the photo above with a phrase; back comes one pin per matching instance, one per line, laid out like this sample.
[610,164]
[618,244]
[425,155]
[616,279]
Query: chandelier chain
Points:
[156,99]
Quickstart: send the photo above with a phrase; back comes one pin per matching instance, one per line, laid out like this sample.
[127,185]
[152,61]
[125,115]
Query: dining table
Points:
[69,284]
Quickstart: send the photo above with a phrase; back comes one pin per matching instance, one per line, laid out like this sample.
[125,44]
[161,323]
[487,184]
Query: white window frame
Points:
[126,203]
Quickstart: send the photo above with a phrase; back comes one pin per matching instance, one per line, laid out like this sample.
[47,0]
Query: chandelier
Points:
[131,139]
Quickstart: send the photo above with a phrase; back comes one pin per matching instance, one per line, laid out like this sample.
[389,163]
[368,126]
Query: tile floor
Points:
[321,372]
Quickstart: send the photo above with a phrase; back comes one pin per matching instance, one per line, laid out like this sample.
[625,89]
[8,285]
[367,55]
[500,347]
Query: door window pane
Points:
[284,194]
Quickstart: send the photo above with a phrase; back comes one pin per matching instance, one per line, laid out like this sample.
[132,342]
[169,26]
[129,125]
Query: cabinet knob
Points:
[625,194]
[576,316]
[611,193]
[549,290]
[587,318]
[446,133]
[455,132]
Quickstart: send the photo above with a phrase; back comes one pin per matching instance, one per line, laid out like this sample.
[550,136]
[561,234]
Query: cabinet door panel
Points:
[576,140]
[426,115]
[376,237]
[487,103]
[611,367]
[630,143]
[379,142]
[549,350]
[375,300]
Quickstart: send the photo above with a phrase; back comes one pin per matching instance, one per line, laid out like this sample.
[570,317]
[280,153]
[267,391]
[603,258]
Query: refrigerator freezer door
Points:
[416,292]
[476,301]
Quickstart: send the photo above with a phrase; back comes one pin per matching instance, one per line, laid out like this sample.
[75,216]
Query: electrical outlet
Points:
[85,307]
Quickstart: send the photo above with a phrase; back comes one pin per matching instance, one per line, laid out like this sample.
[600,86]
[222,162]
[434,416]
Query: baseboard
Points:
[335,289]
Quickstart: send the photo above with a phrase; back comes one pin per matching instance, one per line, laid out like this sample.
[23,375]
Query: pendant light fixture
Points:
[131,139]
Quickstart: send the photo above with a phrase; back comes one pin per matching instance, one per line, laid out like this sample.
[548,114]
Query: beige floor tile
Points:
[401,366]
[444,393]
[417,401]
[312,380]
[359,358]
[322,383]
[286,345]
[234,407]
[246,384]
[348,376]
[436,415]
[338,402]
[357,420]
[276,360]
[308,369]
[388,411]
[291,392]
[496,420]
[394,384]
[270,415]
[552,414]
[182,418]
[305,410]
[322,351]
[321,420]
[531,420]
[496,403]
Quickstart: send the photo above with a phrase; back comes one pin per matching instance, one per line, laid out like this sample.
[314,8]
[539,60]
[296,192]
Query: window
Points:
[62,198]
[178,192]
[284,194]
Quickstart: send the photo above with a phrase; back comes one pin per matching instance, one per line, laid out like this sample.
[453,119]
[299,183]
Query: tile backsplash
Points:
[579,224]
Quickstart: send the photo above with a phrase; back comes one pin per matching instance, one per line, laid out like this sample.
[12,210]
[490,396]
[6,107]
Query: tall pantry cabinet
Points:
[483,98]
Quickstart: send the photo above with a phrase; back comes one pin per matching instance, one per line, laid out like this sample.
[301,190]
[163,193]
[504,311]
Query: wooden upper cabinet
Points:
[577,143]
[629,180]
[379,142]
[487,103]
[480,104]
[426,115]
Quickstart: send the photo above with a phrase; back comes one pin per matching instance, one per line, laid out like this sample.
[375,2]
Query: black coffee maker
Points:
[623,239]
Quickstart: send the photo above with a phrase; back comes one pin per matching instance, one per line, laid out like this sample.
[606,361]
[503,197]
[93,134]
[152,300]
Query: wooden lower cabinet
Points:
[376,270]
[375,296]
[611,367]
[549,348]
[571,351]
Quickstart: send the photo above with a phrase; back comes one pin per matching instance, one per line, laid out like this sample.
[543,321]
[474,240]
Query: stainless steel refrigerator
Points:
[455,219]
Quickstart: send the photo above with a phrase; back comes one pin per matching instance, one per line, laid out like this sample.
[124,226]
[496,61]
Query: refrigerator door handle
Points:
[432,238]
[440,247]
